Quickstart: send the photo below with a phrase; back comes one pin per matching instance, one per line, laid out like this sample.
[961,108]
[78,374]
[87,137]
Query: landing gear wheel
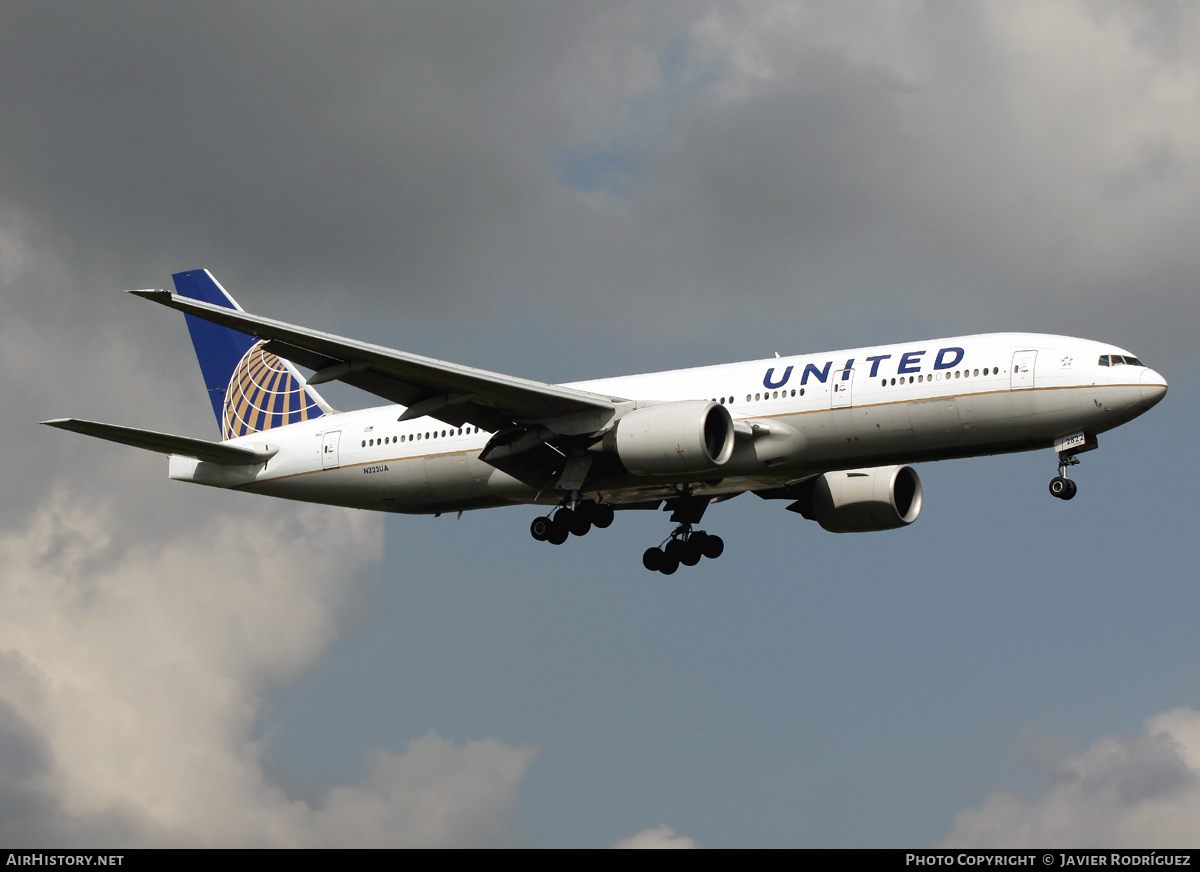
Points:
[540,529]
[602,515]
[1062,488]
[713,547]
[577,522]
[669,564]
[1072,489]
[652,559]
[558,533]
[689,552]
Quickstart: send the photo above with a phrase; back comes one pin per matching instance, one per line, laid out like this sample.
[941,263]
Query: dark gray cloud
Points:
[950,171]
[26,810]
[312,146]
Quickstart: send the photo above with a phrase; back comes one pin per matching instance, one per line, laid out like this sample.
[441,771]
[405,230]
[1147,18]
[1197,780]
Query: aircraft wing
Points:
[450,392]
[165,443]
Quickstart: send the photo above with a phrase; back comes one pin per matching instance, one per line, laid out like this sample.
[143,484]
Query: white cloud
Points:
[438,794]
[661,836]
[132,676]
[1137,791]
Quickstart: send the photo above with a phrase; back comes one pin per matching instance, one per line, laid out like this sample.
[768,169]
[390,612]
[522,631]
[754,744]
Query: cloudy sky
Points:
[563,191]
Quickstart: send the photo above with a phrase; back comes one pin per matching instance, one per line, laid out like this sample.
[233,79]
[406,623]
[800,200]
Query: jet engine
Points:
[862,500]
[678,438]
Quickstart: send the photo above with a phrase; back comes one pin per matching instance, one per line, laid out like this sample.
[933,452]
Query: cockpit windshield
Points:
[1119,359]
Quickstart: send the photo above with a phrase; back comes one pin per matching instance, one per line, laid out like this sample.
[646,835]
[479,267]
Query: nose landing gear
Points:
[1067,447]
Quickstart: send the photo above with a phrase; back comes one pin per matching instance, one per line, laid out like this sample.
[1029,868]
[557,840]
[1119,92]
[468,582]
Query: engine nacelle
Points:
[864,500]
[690,436]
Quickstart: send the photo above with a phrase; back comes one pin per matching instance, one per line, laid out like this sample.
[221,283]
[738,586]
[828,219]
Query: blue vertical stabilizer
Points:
[250,388]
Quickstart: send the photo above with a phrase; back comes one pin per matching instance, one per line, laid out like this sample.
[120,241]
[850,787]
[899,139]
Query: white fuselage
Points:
[797,416]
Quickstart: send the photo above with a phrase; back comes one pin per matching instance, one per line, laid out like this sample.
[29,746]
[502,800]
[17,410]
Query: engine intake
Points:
[690,436]
[862,500]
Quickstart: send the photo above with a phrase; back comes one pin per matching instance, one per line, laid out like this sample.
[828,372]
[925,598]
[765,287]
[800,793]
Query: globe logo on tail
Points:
[264,393]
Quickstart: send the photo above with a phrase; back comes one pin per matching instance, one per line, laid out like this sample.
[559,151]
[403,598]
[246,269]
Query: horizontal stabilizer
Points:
[165,443]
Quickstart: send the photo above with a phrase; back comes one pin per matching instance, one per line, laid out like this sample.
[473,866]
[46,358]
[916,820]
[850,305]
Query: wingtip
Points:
[157,294]
[59,423]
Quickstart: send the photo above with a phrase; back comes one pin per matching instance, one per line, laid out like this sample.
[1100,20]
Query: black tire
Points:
[690,553]
[652,559]
[558,533]
[1072,489]
[714,547]
[579,524]
[669,565]
[603,516]
[540,528]
[1059,486]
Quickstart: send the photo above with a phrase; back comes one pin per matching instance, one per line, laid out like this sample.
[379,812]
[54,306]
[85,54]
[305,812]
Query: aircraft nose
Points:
[1154,388]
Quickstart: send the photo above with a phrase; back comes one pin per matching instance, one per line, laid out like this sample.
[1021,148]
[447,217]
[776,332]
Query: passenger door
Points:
[329,450]
[1022,369]
[841,392]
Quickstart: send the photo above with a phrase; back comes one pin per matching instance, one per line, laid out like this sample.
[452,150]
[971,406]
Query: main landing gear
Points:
[684,545]
[568,521]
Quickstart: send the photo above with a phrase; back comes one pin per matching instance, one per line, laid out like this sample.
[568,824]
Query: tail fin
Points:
[251,389]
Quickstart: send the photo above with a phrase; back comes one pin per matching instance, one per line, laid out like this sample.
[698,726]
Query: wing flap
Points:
[164,443]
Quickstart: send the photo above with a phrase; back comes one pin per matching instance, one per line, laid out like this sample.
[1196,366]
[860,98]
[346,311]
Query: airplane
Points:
[833,433]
